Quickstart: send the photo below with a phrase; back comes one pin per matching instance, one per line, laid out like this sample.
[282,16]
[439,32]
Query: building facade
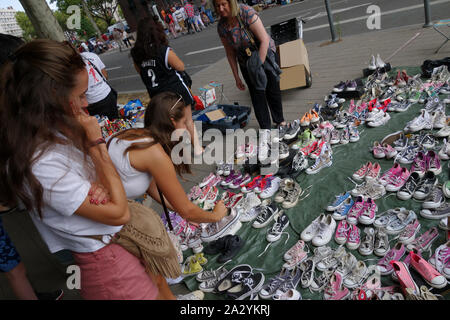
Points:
[8,22]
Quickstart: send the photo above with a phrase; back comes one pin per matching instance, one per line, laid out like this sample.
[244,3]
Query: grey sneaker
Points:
[292,196]
[368,242]
[269,289]
[381,246]
[213,231]
[438,213]
[210,278]
[402,220]
[435,199]
[324,160]
[293,130]
[307,267]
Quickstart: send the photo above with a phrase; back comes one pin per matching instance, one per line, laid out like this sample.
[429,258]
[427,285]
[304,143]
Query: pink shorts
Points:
[112,273]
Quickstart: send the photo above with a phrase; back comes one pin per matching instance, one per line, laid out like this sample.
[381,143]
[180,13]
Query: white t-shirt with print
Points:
[66,181]
[98,89]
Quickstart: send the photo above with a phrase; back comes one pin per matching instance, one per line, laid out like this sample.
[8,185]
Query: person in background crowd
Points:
[169,21]
[45,83]
[237,44]
[10,261]
[189,8]
[198,19]
[84,46]
[125,39]
[175,20]
[143,159]
[180,18]
[101,97]
[117,35]
[160,69]
[206,4]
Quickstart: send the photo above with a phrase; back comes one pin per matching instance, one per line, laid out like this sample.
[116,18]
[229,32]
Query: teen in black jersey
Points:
[159,68]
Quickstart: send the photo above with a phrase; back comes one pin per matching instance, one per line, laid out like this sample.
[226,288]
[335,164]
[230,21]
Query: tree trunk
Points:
[43,21]
[92,21]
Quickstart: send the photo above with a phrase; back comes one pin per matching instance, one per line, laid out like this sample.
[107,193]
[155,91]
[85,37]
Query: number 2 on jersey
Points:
[152,76]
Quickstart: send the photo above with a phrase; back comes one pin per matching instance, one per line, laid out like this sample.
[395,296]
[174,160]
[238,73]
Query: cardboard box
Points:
[216,115]
[294,63]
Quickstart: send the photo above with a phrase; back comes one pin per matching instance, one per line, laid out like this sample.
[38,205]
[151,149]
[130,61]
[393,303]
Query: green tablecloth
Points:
[325,185]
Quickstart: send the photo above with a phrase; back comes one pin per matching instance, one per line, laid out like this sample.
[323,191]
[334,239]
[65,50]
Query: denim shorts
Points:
[9,257]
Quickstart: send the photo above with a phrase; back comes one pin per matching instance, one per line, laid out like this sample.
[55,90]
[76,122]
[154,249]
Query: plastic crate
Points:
[285,31]
[237,117]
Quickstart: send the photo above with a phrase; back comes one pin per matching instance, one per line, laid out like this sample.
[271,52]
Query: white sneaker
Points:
[444,152]
[325,231]
[438,119]
[310,231]
[263,146]
[250,201]
[379,121]
[372,63]
[444,132]
[421,122]
[379,62]
[269,191]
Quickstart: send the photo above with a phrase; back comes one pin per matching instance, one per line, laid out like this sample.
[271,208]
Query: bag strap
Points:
[98,71]
[242,26]
[165,208]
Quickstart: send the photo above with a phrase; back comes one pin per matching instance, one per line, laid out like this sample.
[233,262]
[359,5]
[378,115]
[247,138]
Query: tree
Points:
[100,9]
[25,24]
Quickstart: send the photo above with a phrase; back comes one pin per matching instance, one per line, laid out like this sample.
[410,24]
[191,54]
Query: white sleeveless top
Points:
[136,183]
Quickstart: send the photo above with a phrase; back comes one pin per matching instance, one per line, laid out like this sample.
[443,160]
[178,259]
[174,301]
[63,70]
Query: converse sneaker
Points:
[409,233]
[354,238]
[342,231]
[407,190]
[357,275]
[281,223]
[265,216]
[311,230]
[325,232]
[425,186]
[292,196]
[397,181]
[339,201]
[368,212]
[400,222]
[420,164]
[395,254]
[324,160]
[381,246]
[435,199]
[368,242]
[343,210]
[434,164]
[422,122]
[362,171]
[438,213]
[270,188]
[293,130]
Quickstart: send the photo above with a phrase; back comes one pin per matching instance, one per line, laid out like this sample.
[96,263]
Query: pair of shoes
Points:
[333,101]
[282,286]
[349,85]
[335,289]
[309,117]
[376,63]
[265,215]
[320,231]
[223,169]
[306,139]
[277,229]
[394,221]
[369,189]
[347,234]
[368,171]
[241,282]
[424,241]
[421,122]
[229,224]
[209,278]
[295,255]
[228,246]
[324,160]
[193,265]
[383,150]
[288,194]
[440,259]
[419,188]
[362,211]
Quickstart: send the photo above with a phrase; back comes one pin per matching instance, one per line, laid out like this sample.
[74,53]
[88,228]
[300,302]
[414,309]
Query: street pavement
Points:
[330,64]
[200,50]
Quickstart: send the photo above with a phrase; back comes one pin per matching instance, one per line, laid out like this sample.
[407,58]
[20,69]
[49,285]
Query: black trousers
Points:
[265,100]
[106,107]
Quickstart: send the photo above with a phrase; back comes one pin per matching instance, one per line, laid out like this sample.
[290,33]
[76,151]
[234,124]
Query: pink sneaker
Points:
[342,232]
[428,273]
[441,259]
[207,180]
[420,164]
[389,151]
[356,210]
[361,108]
[395,254]
[388,175]
[205,191]
[409,233]
[298,246]
[194,193]
[352,107]
[425,240]
[404,277]
[361,172]
[368,214]
[297,255]
[406,261]
[334,290]
[378,150]
[398,180]
[354,238]
[374,172]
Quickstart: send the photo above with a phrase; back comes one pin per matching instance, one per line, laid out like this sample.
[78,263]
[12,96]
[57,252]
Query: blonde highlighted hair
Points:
[234,7]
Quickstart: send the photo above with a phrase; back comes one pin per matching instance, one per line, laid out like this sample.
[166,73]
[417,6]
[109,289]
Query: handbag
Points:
[186,78]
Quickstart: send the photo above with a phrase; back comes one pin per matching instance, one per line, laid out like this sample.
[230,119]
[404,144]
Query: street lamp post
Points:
[330,21]
[426,4]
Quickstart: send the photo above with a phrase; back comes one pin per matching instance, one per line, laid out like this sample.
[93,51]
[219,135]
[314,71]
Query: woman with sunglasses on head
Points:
[51,152]
[143,160]
[160,69]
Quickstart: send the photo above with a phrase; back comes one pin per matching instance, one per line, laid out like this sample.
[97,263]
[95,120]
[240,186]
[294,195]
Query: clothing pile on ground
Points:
[348,250]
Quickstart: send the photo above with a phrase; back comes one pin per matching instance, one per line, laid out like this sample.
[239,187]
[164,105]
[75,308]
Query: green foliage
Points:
[25,24]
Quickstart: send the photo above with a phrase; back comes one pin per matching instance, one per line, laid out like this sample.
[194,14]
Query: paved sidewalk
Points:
[329,64]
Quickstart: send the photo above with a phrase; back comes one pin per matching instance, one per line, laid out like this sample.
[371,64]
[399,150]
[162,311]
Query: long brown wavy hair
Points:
[149,39]
[35,87]
[158,126]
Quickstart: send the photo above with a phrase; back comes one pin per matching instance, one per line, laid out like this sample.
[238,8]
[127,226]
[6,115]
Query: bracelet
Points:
[97,142]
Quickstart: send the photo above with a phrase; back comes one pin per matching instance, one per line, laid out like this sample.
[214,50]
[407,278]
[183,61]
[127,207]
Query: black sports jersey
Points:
[158,76]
